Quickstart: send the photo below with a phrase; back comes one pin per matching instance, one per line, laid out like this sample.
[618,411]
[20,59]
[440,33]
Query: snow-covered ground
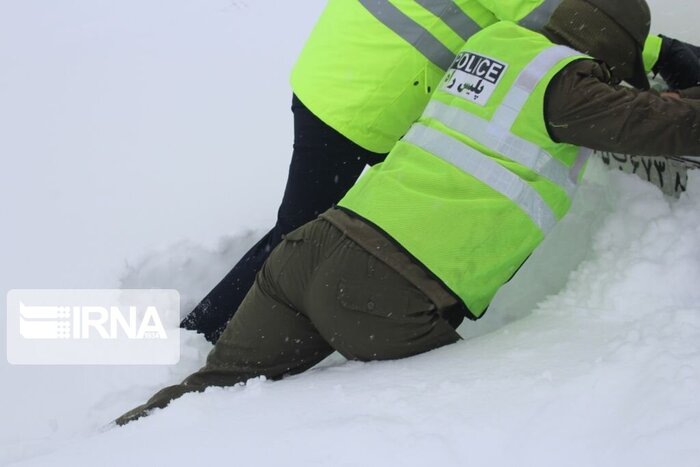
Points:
[145,145]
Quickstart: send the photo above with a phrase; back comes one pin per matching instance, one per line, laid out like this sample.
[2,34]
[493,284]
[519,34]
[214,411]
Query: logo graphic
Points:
[93,326]
[44,322]
[78,322]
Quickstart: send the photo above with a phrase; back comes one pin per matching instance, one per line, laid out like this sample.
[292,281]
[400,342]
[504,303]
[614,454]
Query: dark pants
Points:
[324,166]
[318,292]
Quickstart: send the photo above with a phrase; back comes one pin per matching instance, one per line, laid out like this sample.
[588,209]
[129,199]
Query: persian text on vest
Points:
[473,77]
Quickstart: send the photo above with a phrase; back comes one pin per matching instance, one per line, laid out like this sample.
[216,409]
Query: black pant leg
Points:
[324,166]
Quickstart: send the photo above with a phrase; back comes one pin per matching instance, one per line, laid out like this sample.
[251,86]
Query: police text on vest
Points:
[473,77]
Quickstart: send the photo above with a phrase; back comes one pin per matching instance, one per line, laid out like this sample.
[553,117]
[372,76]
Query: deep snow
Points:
[138,153]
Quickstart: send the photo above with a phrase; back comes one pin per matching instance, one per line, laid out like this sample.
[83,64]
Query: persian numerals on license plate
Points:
[473,77]
[670,174]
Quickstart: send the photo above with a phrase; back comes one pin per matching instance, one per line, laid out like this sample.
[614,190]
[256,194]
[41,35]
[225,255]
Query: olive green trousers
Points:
[317,293]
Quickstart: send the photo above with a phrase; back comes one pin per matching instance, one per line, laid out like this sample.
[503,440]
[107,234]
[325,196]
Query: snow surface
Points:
[138,152]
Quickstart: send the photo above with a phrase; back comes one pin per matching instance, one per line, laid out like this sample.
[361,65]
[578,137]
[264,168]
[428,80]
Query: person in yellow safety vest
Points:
[364,76]
[428,236]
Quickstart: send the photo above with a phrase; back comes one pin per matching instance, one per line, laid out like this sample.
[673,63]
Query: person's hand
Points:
[679,63]
[690,93]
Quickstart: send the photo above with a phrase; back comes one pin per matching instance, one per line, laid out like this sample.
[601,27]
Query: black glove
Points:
[679,63]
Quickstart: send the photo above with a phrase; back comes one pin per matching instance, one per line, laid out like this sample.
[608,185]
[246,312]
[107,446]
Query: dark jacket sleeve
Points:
[582,108]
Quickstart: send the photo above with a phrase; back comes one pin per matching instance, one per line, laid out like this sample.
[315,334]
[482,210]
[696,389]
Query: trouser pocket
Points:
[370,286]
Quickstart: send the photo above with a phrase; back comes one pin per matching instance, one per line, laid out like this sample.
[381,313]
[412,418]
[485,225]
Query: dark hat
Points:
[635,18]
[613,31]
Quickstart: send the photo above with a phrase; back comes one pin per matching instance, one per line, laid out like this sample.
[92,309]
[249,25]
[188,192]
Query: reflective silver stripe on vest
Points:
[417,35]
[451,15]
[503,142]
[583,155]
[525,84]
[540,16]
[486,170]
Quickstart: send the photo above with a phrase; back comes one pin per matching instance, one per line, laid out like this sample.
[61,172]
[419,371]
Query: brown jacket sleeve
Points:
[582,108]
[690,93]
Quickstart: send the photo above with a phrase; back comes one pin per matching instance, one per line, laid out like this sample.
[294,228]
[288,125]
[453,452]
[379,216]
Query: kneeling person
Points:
[427,237]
